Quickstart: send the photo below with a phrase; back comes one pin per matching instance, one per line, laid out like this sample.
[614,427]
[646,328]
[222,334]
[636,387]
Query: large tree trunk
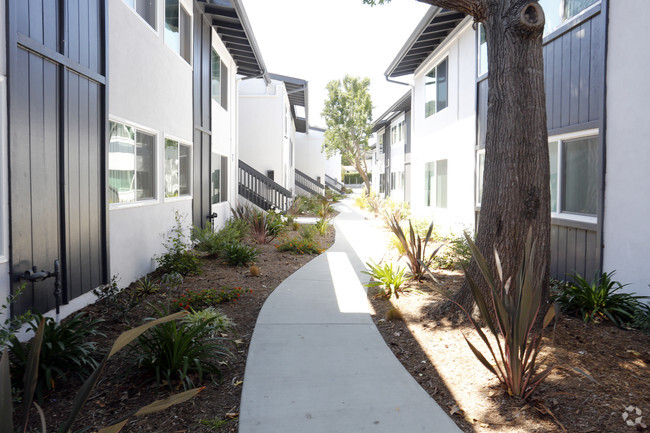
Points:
[516,194]
[362,171]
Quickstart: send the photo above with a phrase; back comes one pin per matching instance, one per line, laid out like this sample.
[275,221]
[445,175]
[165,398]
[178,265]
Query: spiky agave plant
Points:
[516,306]
[414,247]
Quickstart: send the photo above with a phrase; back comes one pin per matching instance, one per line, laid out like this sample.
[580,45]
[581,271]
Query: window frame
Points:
[184,48]
[481,53]
[134,8]
[561,140]
[480,172]
[154,164]
[222,86]
[224,166]
[431,198]
[437,84]
[187,145]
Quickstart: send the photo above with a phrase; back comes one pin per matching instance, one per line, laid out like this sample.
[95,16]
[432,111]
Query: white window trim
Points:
[435,66]
[478,200]
[568,216]
[148,130]
[135,12]
[183,142]
[189,64]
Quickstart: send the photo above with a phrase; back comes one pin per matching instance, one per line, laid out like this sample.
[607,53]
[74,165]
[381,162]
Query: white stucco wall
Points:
[150,87]
[4,200]
[448,134]
[627,179]
[263,143]
[309,157]
[333,166]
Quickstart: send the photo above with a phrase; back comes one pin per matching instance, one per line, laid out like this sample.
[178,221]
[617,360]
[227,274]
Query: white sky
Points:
[322,40]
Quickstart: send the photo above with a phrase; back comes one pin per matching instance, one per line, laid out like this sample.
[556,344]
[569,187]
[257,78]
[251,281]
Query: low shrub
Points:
[455,254]
[641,319]
[389,279]
[181,351]
[213,242]
[308,232]
[9,327]
[240,254]
[321,226]
[415,247]
[299,246]
[178,257]
[192,300]
[146,286]
[260,228]
[65,350]
[218,322]
[598,299]
[361,202]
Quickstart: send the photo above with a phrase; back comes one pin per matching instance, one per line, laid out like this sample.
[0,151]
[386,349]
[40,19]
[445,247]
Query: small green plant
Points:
[454,254]
[31,377]
[516,304]
[641,319]
[65,350]
[219,323]
[308,232]
[178,257]
[146,286]
[414,247]
[598,299]
[277,222]
[298,206]
[361,202]
[118,302]
[180,350]
[242,211]
[260,228]
[321,225]
[299,246]
[191,300]
[213,423]
[12,324]
[213,242]
[240,254]
[389,279]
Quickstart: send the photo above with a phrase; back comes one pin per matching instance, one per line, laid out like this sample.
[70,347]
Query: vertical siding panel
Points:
[35,20]
[84,34]
[581,249]
[95,51]
[562,252]
[591,258]
[73,30]
[50,25]
[554,251]
[585,66]
[596,71]
[84,189]
[557,83]
[22,17]
[571,250]
[566,78]
[574,100]
[94,188]
[72,208]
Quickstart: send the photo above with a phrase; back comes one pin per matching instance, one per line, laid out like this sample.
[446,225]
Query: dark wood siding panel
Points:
[73,35]
[574,75]
[95,203]
[573,250]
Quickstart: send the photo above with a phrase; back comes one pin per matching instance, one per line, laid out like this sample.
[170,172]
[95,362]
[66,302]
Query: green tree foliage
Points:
[348,115]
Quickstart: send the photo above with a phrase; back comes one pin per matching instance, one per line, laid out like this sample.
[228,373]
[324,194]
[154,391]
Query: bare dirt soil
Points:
[121,390]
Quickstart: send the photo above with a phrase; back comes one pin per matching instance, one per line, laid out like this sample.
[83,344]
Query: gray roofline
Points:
[422,25]
[303,86]
[241,13]
[386,117]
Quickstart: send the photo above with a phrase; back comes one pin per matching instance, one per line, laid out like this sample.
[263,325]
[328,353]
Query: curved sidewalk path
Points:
[317,363]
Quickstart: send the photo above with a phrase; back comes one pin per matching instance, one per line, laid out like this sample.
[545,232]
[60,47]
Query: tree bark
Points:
[363,172]
[516,194]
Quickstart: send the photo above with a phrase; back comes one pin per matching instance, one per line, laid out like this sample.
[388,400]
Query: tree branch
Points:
[475,8]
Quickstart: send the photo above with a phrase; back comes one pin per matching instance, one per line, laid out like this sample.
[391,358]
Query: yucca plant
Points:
[390,279]
[240,254]
[516,306]
[414,247]
[31,377]
[598,299]
[260,228]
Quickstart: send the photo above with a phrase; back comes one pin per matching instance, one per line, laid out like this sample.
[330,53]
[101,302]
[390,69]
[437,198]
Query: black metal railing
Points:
[262,191]
[310,185]
[334,184]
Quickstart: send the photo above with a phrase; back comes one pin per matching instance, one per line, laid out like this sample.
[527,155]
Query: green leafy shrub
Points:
[146,286]
[321,226]
[598,299]
[414,247]
[180,351]
[298,206]
[361,202]
[65,350]
[641,319]
[219,323]
[191,300]
[240,254]
[9,327]
[516,303]
[299,246]
[388,278]
[178,257]
[308,232]
[213,242]
[260,228]
[454,254]
[277,222]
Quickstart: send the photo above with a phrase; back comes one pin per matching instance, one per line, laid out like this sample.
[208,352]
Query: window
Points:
[382,183]
[219,75]
[381,142]
[219,178]
[482,51]
[480,170]
[146,9]
[178,167]
[131,160]
[178,29]
[574,176]
[435,88]
[435,183]
[398,133]
[558,11]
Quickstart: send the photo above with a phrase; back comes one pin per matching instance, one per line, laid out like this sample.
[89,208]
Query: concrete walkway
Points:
[318,364]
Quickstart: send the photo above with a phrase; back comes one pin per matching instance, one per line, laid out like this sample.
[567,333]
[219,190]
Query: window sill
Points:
[133,204]
[574,220]
[179,198]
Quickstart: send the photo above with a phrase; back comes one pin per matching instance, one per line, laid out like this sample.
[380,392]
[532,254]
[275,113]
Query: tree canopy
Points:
[348,116]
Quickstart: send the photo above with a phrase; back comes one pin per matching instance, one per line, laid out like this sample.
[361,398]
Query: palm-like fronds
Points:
[414,247]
